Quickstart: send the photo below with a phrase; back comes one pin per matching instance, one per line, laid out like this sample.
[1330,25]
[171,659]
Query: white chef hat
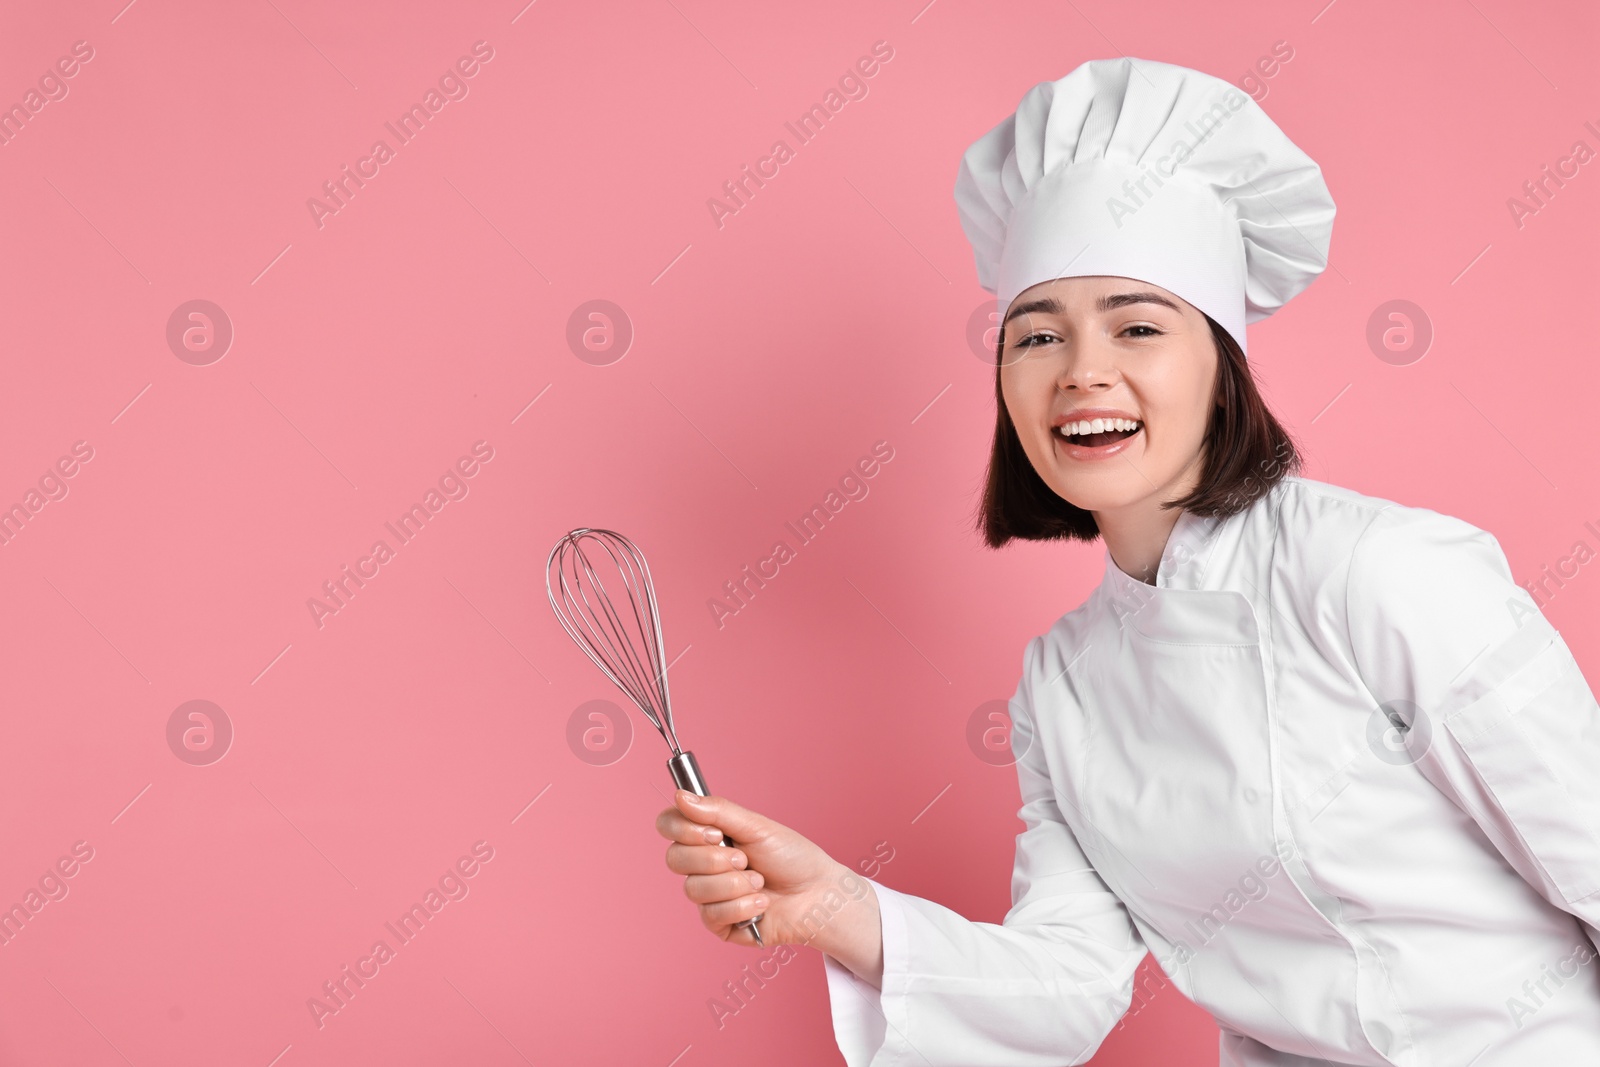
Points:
[1141,169]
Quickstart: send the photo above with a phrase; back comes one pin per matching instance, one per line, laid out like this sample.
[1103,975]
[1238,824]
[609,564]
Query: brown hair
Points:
[1247,452]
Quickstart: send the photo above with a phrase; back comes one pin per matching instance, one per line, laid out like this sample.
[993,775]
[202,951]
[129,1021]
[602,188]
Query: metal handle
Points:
[686,773]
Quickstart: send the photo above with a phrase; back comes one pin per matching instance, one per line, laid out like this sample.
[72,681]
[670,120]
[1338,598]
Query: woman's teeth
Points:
[1093,426]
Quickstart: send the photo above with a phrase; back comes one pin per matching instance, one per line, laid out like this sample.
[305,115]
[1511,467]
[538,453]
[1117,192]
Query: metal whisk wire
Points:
[636,667]
[631,658]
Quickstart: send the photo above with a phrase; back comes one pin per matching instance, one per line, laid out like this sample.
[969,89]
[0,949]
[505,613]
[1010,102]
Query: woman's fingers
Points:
[674,825]
[737,821]
[704,859]
[760,864]
[718,917]
[714,888]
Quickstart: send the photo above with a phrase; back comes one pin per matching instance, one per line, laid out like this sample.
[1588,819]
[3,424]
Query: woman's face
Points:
[1081,349]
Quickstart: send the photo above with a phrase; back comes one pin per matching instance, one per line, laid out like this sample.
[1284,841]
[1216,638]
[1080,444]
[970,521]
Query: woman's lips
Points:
[1093,452]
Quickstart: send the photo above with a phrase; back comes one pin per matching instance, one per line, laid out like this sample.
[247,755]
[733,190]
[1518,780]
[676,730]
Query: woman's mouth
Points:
[1096,438]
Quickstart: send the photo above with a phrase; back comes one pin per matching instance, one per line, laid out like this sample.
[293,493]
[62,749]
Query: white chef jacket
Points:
[1208,772]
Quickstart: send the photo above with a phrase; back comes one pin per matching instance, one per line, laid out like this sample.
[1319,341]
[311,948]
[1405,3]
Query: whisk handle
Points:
[686,774]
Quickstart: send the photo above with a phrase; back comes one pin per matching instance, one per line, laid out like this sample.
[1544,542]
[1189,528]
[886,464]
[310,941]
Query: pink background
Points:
[768,355]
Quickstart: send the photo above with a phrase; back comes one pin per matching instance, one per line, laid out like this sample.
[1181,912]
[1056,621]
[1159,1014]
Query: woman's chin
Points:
[1099,493]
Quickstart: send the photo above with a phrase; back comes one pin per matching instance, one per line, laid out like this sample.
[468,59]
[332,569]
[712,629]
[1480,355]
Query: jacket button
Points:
[1250,795]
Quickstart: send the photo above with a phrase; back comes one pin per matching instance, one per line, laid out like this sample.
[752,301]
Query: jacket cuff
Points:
[868,1025]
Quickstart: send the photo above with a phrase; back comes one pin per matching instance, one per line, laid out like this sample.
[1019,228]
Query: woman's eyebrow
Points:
[1117,300]
[1049,305]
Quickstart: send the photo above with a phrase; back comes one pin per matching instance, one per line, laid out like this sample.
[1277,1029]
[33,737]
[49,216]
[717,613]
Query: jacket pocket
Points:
[1534,741]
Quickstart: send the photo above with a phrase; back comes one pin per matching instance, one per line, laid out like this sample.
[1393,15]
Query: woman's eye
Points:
[1029,341]
[1153,332]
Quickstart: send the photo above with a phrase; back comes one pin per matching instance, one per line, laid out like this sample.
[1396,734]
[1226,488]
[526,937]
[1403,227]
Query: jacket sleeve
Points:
[1501,717]
[1041,989]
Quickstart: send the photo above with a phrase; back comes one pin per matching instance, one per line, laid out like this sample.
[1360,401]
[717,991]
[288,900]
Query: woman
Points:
[1316,751]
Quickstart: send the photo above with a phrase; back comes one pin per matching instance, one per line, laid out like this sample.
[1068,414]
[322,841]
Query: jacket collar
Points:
[1183,563]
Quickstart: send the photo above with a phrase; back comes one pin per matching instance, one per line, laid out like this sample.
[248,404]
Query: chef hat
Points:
[1146,170]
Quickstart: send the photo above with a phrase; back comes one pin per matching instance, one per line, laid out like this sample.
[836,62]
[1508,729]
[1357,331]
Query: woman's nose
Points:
[1086,365]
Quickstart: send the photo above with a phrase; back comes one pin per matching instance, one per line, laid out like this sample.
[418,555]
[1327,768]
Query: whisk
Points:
[625,645]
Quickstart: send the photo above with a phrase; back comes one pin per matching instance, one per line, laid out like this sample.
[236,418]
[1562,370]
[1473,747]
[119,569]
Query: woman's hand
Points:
[772,872]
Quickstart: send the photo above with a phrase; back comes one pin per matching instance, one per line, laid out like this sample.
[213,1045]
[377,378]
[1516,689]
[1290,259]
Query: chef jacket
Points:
[1334,770]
